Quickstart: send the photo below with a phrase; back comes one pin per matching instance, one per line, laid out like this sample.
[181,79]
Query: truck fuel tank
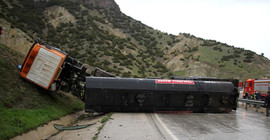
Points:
[106,94]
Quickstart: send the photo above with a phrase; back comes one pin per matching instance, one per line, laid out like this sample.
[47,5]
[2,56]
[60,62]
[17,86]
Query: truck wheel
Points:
[263,98]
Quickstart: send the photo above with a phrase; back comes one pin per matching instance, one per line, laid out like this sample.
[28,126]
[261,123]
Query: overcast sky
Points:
[240,23]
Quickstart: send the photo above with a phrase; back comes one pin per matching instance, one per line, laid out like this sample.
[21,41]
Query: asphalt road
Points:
[240,124]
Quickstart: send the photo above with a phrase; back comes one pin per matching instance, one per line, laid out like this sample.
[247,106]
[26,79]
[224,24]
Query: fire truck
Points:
[252,86]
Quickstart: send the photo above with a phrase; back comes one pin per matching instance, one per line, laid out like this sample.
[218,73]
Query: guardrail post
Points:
[256,104]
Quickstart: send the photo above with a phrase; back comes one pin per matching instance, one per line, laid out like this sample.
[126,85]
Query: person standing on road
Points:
[258,95]
[267,103]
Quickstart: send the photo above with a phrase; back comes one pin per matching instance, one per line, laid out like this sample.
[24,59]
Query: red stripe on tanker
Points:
[161,81]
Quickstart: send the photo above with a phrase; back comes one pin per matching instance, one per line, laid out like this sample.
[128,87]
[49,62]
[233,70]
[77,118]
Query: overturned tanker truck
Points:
[53,69]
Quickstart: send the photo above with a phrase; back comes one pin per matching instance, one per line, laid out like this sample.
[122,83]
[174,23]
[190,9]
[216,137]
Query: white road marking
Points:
[166,128]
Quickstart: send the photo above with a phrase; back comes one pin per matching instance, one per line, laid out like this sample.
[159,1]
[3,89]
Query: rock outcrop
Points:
[15,38]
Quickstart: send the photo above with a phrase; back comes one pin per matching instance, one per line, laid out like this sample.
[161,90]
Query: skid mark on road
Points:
[157,125]
[165,128]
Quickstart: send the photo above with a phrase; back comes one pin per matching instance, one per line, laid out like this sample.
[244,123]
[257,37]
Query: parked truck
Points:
[252,86]
[53,69]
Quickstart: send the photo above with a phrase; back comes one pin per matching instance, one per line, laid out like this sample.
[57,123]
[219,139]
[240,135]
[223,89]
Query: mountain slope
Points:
[99,34]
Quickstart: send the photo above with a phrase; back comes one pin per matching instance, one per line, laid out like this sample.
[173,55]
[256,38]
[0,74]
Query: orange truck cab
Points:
[42,65]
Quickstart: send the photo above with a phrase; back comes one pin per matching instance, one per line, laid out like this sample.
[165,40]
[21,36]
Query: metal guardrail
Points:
[258,104]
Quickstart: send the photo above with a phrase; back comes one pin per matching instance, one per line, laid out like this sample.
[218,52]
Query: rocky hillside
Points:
[97,33]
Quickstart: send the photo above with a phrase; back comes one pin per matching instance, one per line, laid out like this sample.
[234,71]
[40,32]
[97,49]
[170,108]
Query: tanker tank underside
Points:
[112,94]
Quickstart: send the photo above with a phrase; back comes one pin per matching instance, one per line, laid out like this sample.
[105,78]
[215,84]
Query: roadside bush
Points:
[217,48]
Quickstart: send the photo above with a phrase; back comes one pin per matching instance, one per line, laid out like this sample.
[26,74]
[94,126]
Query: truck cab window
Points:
[246,84]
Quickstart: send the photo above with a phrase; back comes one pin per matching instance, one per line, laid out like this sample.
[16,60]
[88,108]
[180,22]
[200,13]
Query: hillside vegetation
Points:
[23,105]
[99,34]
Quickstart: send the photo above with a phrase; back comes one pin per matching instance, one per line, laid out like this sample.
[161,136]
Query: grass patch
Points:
[103,121]
[106,118]
[179,73]
[17,121]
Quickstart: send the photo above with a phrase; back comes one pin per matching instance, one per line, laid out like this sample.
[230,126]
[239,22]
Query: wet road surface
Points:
[240,124]
[131,126]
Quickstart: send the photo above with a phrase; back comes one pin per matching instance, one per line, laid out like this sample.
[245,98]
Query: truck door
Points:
[249,88]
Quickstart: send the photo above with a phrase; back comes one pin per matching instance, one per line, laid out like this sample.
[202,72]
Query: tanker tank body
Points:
[114,94]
